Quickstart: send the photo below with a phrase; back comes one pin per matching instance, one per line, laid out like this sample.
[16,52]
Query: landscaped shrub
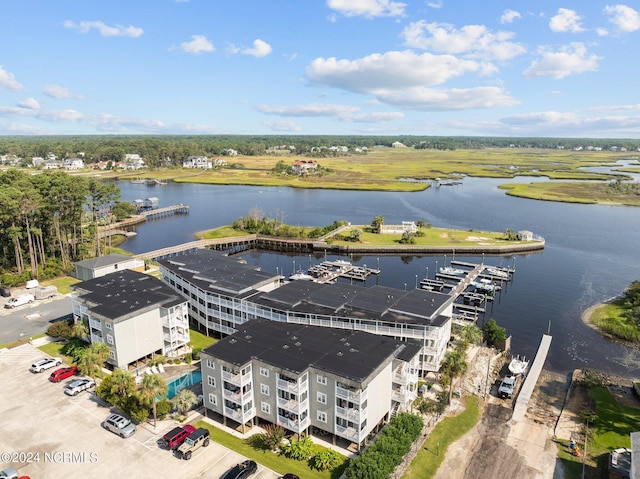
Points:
[299,450]
[75,348]
[163,407]
[61,329]
[188,358]
[273,436]
[325,460]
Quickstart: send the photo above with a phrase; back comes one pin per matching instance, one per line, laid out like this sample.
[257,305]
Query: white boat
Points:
[498,273]
[518,364]
[301,276]
[484,285]
[452,271]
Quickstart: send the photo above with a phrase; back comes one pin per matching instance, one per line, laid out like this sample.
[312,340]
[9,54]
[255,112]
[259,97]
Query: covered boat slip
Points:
[532,378]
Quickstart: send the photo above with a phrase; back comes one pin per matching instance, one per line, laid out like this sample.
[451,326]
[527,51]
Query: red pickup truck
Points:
[176,436]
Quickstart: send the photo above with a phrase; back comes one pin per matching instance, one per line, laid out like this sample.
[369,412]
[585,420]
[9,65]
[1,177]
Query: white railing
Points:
[353,396]
[355,415]
[237,397]
[293,405]
[95,324]
[347,432]
[293,387]
[95,338]
[296,426]
[237,378]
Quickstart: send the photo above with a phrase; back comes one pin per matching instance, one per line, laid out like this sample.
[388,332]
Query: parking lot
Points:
[49,434]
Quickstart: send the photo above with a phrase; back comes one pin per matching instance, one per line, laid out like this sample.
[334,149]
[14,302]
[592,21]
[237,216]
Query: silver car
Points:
[119,425]
[78,385]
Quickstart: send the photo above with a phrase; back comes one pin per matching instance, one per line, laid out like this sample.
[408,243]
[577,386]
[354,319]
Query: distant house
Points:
[36,161]
[302,167]
[132,161]
[103,265]
[525,235]
[406,226]
[397,144]
[219,162]
[230,152]
[73,164]
[101,165]
[197,162]
[52,165]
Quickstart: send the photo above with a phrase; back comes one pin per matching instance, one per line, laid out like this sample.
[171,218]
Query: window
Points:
[108,325]
[322,379]
[213,399]
[265,407]
[322,398]
[211,381]
[264,389]
[109,339]
[211,364]
[322,416]
[264,372]
[112,354]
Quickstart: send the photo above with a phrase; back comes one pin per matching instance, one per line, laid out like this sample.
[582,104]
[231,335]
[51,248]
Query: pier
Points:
[529,384]
[144,216]
[329,271]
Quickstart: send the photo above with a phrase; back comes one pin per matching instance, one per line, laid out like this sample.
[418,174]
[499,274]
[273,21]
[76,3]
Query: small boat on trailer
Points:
[518,364]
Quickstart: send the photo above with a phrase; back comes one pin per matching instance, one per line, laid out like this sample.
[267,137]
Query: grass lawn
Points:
[53,349]
[450,429]
[62,283]
[280,464]
[610,319]
[199,341]
[613,425]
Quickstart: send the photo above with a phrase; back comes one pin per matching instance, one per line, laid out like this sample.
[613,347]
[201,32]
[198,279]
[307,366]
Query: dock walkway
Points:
[522,401]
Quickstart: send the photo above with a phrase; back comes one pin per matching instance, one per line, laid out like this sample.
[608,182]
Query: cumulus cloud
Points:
[435,5]
[9,81]
[309,110]
[103,29]
[286,125]
[375,117]
[391,70]
[29,103]
[473,40]
[367,8]
[569,60]
[509,16]
[625,18]
[198,44]
[260,49]
[57,91]
[433,99]
[566,21]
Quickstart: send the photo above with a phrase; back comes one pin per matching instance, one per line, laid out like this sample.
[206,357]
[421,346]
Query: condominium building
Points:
[342,382]
[224,294]
[135,314]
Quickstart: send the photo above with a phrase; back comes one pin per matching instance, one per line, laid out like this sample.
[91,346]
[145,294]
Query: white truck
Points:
[20,300]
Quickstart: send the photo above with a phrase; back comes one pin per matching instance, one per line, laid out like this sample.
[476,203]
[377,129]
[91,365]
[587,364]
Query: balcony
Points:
[351,395]
[354,415]
[292,405]
[236,378]
[292,387]
[236,397]
[96,338]
[95,324]
[293,425]
[350,433]
[238,416]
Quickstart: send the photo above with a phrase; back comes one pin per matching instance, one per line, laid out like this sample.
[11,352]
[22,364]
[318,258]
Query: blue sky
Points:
[364,67]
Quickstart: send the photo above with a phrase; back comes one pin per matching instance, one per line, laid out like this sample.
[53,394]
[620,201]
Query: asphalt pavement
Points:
[28,320]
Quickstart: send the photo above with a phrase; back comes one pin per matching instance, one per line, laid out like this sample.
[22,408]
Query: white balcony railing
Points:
[293,405]
[95,324]
[354,415]
[236,378]
[292,387]
[353,396]
[348,433]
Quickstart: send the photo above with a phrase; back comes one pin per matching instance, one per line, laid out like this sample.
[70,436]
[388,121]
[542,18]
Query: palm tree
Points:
[453,365]
[471,334]
[93,359]
[123,384]
[153,385]
[184,400]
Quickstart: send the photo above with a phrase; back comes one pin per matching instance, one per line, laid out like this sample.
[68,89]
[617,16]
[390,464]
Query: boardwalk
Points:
[144,216]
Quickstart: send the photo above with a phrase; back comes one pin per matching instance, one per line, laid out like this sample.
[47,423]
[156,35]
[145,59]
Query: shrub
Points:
[298,450]
[61,329]
[163,407]
[325,460]
[273,436]
[188,358]
[75,348]
[196,354]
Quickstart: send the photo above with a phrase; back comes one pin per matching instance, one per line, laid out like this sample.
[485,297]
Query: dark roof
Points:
[349,354]
[211,271]
[126,293]
[102,261]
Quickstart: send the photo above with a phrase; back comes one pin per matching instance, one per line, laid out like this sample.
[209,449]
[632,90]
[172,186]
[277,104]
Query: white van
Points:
[32,283]
[20,300]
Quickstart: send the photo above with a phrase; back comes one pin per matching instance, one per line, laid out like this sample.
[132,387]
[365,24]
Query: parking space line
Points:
[226,453]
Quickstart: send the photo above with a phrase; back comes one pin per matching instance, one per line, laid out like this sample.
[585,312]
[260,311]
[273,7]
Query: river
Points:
[591,253]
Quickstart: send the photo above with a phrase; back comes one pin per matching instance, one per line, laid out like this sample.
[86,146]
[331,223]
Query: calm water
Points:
[591,254]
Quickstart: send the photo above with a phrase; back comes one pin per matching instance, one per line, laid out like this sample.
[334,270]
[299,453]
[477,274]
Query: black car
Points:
[5,292]
[242,470]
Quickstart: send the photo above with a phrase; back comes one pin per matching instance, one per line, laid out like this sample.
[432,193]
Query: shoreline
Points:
[586,319]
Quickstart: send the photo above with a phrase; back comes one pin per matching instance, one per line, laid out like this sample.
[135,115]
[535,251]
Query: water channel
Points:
[592,251]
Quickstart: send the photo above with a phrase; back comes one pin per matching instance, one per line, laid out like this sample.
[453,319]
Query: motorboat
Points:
[498,273]
[300,275]
[484,286]
[452,271]
[518,364]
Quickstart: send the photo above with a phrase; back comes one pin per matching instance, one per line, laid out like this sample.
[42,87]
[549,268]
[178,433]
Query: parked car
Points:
[78,385]
[119,425]
[9,473]
[19,301]
[43,364]
[195,440]
[242,470]
[63,373]
[288,475]
[5,292]
[176,436]
[508,386]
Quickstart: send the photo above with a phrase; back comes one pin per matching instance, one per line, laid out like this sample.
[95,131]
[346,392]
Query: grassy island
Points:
[619,318]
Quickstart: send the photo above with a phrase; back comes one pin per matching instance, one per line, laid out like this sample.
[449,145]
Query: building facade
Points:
[134,314]
[307,378]
[107,264]
[224,294]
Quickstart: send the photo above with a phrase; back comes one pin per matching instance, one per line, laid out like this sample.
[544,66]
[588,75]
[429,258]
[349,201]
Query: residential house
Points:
[343,382]
[73,164]
[217,162]
[53,165]
[525,235]
[397,144]
[303,167]
[132,161]
[224,294]
[230,152]
[135,314]
[197,162]
[103,265]
[37,161]
[406,226]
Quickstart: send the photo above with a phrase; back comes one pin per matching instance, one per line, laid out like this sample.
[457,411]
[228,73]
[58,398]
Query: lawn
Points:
[199,341]
[63,283]
[450,429]
[54,350]
[610,319]
[280,464]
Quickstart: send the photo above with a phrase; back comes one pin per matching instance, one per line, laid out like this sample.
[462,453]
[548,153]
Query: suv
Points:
[176,436]
[119,425]
[20,300]
[78,385]
[63,373]
[508,386]
[199,437]
[43,364]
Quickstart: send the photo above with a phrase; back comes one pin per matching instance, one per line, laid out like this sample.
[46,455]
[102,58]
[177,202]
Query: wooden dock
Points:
[147,215]
[522,401]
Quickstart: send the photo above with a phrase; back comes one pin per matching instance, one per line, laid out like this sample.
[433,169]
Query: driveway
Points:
[30,319]
[49,434]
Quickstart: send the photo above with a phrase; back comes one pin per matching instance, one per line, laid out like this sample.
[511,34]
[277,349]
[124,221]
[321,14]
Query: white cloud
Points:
[375,117]
[57,91]
[435,5]
[474,40]
[198,44]
[509,16]
[602,32]
[29,103]
[260,49]
[566,21]
[625,18]
[391,70]
[569,60]
[368,8]
[9,81]
[104,30]
[432,99]
[287,125]
[309,110]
